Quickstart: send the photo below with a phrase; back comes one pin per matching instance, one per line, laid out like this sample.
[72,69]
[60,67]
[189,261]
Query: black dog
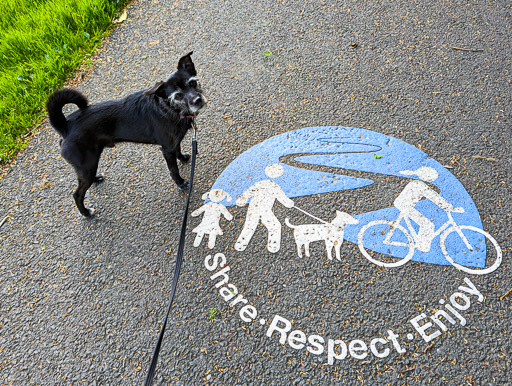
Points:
[161,115]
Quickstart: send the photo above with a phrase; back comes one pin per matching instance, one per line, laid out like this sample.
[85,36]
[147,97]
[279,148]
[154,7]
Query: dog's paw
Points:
[184,186]
[89,212]
[184,158]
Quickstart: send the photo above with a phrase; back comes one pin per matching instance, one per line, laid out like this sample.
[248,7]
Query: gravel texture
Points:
[82,300]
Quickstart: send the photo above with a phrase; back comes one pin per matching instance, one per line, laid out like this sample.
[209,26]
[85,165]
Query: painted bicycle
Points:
[390,238]
[391,234]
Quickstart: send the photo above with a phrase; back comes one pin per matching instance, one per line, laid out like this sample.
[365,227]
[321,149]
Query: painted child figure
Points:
[213,211]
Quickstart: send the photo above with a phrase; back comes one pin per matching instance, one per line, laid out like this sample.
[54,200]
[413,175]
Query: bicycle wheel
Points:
[394,252]
[480,236]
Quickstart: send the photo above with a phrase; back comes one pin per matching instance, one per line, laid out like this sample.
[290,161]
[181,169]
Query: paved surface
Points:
[82,301]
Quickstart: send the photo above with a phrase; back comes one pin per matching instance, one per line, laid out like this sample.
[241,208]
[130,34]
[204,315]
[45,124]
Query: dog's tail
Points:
[287,222]
[57,101]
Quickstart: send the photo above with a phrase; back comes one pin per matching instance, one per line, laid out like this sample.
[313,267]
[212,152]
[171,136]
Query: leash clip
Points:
[194,133]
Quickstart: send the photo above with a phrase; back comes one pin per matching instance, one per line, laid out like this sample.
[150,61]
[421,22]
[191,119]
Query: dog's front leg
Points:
[182,157]
[172,164]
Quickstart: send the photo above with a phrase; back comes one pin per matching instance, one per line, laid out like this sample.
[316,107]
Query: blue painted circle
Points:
[358,150]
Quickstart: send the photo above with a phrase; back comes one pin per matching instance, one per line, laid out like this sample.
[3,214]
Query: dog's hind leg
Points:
[306,249]
[85,163]
[79,195]
[299,249]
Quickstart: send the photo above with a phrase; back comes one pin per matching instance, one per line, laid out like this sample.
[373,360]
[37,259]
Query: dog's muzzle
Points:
[197,104]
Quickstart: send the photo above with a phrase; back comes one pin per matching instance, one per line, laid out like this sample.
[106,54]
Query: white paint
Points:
[337,349]
[331,350]
[225,277]
[212,262]
[296,339]
[472,290]
[331,233]
[248,313]
[210,225]
[414,192]
[358,349]
[229,291]
[375,350]
[316,344]
[422,329]
[489,238]
[456,314]
[458,301]
[396,344]
[285,327]
[261,198]
[456,304]
[436,319]
[393,227]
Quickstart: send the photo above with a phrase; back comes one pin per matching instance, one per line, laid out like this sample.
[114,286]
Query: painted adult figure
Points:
[261,198]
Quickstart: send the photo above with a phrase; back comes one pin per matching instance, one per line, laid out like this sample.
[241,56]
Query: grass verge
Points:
[41,43]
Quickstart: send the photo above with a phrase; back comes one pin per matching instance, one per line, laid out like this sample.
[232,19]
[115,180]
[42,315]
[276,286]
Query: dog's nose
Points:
[197,101]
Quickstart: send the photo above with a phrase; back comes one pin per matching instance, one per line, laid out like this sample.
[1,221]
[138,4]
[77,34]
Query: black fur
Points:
[161,115]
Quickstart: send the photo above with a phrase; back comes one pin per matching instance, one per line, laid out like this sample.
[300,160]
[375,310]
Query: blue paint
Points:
[359,150]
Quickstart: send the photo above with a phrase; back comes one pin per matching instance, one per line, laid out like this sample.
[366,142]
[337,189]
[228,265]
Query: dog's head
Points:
[343,219]
[181,92]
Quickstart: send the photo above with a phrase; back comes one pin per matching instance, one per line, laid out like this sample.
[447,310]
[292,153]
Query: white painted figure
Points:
[331,233]
[261,198]
[213,210]
[414,192]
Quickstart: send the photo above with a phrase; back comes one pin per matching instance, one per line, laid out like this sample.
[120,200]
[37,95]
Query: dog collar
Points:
[187,116]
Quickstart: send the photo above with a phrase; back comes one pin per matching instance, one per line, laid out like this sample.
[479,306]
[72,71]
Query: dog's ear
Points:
[186,64]
[156,89]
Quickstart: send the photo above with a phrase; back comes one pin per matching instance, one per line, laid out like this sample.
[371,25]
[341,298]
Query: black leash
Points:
[177,268]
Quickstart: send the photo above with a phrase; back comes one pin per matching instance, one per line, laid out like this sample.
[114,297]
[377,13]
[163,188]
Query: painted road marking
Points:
[427,327]
[432,219]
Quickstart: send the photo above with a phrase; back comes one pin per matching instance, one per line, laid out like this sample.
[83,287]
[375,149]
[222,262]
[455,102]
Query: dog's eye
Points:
[192,84]
[178,96]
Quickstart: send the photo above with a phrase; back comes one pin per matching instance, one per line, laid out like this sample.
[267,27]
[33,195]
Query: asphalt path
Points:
[82,301]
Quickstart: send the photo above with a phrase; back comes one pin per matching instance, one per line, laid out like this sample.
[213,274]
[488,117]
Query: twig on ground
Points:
[508,293]
[3,221]
[484,158]
[466,49]
[428,348]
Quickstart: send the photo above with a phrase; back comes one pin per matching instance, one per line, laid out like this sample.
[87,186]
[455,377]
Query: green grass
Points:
[41,43]
[212,313]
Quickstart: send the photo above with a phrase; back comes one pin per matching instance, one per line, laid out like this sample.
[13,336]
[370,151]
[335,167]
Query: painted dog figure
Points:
[331,233]
[161,115]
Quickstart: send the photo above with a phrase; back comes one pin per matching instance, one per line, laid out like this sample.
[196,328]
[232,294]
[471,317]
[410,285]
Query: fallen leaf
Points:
[121,18]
